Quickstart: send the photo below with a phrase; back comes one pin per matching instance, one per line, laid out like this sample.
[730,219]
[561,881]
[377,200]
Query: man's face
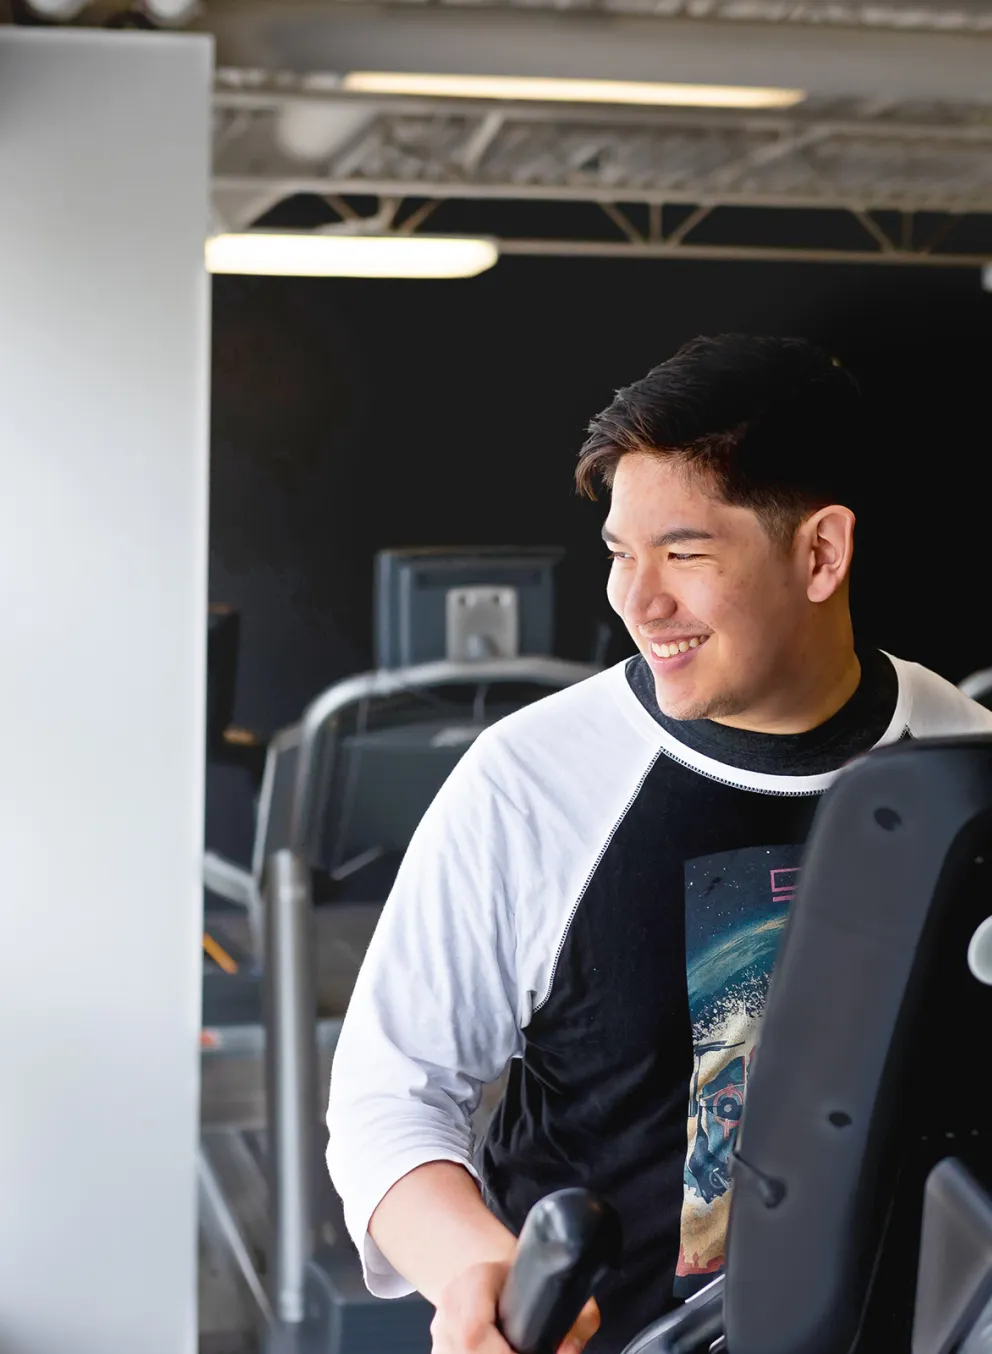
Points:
[717,607]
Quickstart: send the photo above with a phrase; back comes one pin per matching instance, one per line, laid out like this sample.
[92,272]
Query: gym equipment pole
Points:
[291,1078]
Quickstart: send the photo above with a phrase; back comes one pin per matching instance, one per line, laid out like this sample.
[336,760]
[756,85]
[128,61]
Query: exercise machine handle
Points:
[568,1242]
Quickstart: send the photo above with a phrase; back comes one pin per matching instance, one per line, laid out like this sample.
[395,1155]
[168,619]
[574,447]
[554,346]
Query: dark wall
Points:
[352,416]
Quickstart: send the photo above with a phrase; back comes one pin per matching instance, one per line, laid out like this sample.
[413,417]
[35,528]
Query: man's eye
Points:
[616,554]
[672,555]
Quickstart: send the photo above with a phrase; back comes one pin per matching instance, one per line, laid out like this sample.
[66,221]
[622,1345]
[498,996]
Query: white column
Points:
[104,165]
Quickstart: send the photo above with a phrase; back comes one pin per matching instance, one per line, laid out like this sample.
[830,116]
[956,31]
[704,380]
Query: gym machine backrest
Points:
[862,1174]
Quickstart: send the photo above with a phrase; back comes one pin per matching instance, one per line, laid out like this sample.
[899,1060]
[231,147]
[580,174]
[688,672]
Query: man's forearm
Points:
[432,1225]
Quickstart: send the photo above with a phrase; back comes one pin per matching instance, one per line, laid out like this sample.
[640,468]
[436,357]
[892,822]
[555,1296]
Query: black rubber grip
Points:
[568,1242]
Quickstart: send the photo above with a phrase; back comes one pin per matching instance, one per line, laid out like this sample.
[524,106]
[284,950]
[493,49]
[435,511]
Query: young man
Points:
[596,897]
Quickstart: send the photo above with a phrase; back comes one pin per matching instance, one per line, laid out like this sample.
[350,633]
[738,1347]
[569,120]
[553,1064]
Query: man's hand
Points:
[465,1319]
[463,1269]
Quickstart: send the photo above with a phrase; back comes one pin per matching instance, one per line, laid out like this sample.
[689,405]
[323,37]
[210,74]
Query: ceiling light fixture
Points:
[554,90]
[312,254]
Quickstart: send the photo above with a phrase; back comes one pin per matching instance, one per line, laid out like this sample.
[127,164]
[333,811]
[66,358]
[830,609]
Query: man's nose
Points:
[648,601]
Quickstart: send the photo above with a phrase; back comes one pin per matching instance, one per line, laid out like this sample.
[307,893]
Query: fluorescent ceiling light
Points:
[553,90]
[311,254]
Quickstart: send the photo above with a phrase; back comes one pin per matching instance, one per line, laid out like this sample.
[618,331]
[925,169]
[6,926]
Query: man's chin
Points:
[692,707]
[683,713]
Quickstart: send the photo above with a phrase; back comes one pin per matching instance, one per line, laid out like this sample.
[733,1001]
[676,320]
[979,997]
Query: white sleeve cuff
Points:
[381,1279]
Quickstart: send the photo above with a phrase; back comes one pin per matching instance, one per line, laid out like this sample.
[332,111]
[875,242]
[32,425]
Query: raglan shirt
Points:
[595,899]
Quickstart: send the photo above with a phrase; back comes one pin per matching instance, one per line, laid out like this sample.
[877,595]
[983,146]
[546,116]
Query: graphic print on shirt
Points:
[736,904]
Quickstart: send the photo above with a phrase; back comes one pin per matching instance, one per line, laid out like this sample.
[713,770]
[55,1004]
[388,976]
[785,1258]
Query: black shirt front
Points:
[635,1065]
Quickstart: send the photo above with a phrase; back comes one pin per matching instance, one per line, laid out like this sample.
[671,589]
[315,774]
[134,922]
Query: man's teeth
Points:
[683,646]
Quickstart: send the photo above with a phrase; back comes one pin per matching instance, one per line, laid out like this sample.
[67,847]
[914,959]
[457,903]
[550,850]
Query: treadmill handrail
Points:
[383,682]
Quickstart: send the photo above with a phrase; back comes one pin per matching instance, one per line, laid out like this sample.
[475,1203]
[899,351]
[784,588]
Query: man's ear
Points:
[827,541]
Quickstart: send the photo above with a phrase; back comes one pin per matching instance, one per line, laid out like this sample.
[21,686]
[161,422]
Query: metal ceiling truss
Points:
[915,177]
[954,16]
[935,15]
[909,245]
[648,230]
[939,16]
[848,156]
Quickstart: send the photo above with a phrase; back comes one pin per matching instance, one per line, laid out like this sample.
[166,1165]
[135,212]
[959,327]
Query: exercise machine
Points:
[306,1281]
[264,1193]
[462,638]
[862,1210]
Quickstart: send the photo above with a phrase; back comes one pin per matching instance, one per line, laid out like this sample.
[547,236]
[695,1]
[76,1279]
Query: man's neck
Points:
[829,689]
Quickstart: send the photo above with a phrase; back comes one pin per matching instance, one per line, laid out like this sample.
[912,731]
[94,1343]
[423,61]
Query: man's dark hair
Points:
[773,423]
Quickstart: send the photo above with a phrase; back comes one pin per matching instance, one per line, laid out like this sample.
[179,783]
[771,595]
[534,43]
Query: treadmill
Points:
[340,796]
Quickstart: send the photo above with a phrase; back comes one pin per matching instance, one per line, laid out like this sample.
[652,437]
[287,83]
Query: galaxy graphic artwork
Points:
[736,904]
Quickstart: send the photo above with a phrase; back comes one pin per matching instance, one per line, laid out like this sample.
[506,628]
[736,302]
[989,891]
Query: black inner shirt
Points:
[857,726]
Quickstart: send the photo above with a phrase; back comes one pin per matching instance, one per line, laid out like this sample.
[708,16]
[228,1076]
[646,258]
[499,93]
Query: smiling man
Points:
[596,898]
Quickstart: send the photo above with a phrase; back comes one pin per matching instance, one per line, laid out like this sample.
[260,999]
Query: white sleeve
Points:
[939,709]
[435,1013]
